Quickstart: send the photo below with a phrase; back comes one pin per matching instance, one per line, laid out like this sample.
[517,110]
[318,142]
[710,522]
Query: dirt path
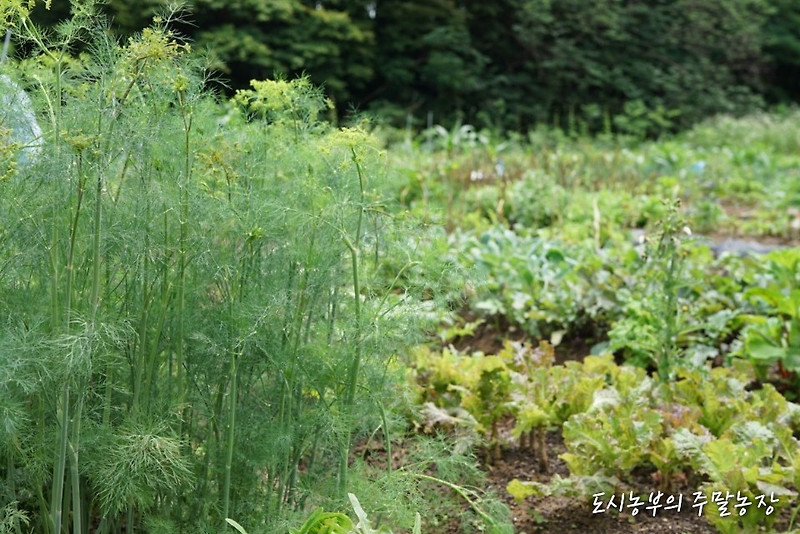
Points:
[722,243]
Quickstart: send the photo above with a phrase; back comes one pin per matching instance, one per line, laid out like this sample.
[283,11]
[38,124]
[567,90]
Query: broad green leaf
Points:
[522,490]
[761,349]
[770,295]
[721,462]
[530,417]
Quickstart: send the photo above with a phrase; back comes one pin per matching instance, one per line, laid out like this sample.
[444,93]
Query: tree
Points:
[648,65]
[258,39]
[782,48]
[425,59]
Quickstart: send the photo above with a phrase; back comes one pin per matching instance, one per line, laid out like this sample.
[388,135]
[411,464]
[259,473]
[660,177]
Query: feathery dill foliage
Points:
[192,320]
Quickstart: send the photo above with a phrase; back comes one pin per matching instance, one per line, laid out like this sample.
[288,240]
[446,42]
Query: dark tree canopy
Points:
[642,66]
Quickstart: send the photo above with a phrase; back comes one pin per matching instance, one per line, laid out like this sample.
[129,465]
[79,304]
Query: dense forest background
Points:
[631,66]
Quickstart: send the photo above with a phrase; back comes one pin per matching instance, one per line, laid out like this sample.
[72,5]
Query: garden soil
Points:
[566,515]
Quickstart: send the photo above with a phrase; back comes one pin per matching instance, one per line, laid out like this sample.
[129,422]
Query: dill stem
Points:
[352,376]
[184,231]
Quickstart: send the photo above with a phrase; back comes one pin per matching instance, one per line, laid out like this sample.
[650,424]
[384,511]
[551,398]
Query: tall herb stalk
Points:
[666,274]
[353,247]
[186,120]
[191,348]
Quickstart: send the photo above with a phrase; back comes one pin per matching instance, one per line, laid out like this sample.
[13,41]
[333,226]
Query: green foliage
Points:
[746,467]
[206,303]
[433,465]
[782,47]
[12,518]
[422,45]
[13,10]
[705,423]
[655,320]
[205,322]
[8,155]
[640,69]
[615,421]
[321,522]
[649,65]
[136,467]
[329,44]
[631,432]
[668,301]
[524,278]
[775,335]
[278,100]
[480,385]
[572,486]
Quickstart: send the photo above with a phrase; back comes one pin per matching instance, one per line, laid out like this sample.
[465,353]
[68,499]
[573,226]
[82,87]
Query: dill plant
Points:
[194,325]
[655,329]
